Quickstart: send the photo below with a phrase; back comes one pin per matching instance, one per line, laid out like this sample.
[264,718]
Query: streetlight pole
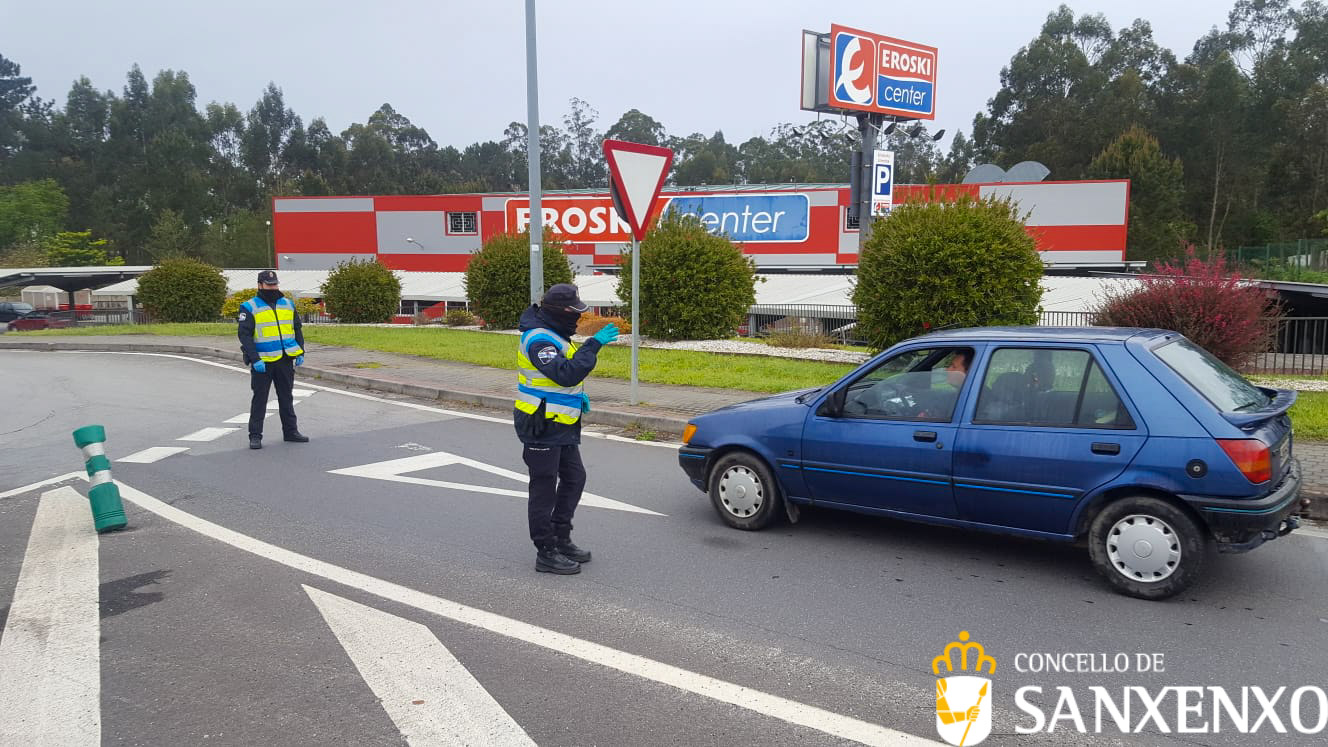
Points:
[269,245]
[533,158]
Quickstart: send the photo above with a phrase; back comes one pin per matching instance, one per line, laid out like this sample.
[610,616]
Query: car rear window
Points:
[21,308]
[1215,380]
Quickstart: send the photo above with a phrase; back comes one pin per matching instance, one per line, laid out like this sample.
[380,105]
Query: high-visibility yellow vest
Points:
[274,328]
[562,404]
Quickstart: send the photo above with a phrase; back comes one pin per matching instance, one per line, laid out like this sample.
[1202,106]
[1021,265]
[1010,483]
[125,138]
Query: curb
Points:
[617,418]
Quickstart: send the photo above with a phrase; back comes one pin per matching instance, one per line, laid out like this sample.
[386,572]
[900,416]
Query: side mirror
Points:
[833,406]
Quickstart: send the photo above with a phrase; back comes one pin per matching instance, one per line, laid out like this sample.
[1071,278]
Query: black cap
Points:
[564,296]
[267,276]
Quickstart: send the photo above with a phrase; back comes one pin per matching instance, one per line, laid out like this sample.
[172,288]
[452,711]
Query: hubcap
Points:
[740,491]
[1143,548]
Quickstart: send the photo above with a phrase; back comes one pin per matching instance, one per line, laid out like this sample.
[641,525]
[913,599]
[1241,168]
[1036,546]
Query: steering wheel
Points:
[891,400]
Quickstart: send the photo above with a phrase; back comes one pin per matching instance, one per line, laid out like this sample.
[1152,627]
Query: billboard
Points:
[874,73]
[759,218]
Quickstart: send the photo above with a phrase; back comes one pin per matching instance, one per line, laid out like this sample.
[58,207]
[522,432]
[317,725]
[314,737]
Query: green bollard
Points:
[107,510]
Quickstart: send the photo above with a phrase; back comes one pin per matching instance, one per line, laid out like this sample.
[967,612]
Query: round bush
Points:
[694,285]
[182,290]
[963,263]
[458,318]
[362,292]
[498,276]
[231,306]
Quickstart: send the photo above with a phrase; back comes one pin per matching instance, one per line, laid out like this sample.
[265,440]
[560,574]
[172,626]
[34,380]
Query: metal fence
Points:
[1304,254]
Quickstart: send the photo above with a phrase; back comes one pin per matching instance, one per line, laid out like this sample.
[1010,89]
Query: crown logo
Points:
[963,647]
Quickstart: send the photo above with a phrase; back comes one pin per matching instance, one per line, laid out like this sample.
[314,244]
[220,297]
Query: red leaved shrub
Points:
[1208,302]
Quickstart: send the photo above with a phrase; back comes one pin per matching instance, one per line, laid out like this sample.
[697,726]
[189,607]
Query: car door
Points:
[1046,426]
[883,441]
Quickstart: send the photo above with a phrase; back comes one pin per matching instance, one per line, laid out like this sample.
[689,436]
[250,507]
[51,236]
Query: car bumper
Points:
[695,462]
[1242,525]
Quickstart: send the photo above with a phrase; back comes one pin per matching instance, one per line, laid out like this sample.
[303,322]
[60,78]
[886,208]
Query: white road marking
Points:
[207,434]
[243,418]
[1304,531]
[394,470]
[369,397]
[153,454]
[43,483]
[50,656]
[302,392]
[790,711]
[430,696]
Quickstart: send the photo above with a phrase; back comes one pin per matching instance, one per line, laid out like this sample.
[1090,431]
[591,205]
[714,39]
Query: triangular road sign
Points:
[636,174]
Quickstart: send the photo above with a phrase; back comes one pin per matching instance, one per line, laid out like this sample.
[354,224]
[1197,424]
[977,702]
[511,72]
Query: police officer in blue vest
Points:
[273,343]
[549,404]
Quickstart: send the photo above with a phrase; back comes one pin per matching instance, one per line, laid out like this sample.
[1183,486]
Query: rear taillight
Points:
[1250,456]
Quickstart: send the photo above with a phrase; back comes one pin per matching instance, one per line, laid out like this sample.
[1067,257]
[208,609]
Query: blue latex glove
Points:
[607,334]
[299,360]
[260,366]
[585,402]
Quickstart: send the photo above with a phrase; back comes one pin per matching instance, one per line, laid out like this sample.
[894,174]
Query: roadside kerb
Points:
[600,416]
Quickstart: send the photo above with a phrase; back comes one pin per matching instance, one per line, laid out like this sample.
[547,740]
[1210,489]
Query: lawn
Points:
[682,367]
[1309,416]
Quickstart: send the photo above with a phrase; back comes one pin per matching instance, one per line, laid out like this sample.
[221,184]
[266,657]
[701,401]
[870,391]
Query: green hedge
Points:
[362,292]
[498,276]
[182,290]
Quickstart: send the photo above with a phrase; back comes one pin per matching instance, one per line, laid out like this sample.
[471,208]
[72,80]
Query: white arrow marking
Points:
[154,454]
[430,696]
[50,656]
[394,470]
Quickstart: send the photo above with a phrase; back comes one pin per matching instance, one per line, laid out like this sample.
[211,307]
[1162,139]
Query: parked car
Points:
[1138,443]
[41,320]
[11,310]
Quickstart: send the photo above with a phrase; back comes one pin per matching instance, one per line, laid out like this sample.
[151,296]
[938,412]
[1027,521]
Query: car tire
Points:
[744,492]
[1147,548]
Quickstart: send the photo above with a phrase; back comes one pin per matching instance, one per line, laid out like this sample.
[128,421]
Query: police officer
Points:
[549,404]
[273,344]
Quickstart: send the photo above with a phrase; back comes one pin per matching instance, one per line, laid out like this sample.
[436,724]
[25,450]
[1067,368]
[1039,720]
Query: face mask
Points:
[270,295]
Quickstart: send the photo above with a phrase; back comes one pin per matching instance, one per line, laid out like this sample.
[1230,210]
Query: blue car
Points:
[1136,442]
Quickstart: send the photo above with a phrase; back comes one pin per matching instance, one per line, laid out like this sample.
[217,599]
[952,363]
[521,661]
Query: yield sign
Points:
[636,174]
[397,470]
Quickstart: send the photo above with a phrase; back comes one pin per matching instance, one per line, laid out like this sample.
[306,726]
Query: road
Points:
[376,585]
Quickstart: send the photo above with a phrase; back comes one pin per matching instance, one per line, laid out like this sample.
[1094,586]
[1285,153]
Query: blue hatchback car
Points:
[1137,442]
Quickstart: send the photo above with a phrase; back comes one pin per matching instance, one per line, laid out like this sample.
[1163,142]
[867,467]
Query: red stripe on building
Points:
[326,232]
[1078,238]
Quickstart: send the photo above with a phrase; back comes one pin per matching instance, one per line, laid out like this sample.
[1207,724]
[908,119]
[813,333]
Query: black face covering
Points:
[561,321]
[270,295]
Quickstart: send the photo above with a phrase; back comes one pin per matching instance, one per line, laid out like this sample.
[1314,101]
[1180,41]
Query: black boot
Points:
[255,442]
[570,550]
[549,560]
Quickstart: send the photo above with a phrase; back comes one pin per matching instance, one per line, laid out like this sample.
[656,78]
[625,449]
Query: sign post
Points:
[533,158]
[636,174]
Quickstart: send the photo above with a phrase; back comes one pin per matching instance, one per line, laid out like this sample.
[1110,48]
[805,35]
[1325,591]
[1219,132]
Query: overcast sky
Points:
[458,68]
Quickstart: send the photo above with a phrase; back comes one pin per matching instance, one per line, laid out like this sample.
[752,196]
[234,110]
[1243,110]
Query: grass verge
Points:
[679,367]
[1309,416]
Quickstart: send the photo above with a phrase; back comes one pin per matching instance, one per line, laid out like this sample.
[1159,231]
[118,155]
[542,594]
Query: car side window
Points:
[914,385]
[1048,387]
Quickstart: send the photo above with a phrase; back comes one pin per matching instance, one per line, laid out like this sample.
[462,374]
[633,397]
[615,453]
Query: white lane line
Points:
[393,470]
[50,655]
[302,392]
[43,483]
[1305,530]
[207,434]
[152,454]
[243,419]
[790,711]
[429,695]
[369,397]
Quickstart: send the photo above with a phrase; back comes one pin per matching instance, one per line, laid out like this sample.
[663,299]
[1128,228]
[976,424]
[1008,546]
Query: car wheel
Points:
[1147,548]
[744,492]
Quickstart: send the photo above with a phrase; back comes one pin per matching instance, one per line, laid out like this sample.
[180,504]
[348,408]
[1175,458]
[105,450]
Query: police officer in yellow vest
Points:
[273,345]
[549,403]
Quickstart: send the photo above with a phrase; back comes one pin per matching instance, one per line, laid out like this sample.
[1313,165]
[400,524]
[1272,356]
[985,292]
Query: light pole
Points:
[269,245]
[533,158]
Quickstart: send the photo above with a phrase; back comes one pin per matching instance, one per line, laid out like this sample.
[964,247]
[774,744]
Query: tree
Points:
[930,264]
[170,237]
[237,239]
[362,292]
[14,91]
[31,211]
[498,276]
[78,249]
[720,281]
[1157,193]
[588,168]
[635,127]
[182,290]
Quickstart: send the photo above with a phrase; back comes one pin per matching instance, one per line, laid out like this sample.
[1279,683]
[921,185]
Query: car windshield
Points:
[1215,380]
[22,308]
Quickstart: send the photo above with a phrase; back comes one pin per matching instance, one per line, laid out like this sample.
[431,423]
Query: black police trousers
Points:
[280,375]
[557,477]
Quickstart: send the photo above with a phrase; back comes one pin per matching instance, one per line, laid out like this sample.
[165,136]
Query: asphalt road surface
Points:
[376,586]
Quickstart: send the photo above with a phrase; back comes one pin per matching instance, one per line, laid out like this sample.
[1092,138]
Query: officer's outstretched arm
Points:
[565,371]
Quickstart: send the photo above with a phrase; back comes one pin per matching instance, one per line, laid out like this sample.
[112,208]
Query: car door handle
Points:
[927,436]
[1106,448]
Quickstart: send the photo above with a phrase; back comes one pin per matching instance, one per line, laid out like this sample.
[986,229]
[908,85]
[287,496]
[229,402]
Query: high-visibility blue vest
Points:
[274,328]
[562,404]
